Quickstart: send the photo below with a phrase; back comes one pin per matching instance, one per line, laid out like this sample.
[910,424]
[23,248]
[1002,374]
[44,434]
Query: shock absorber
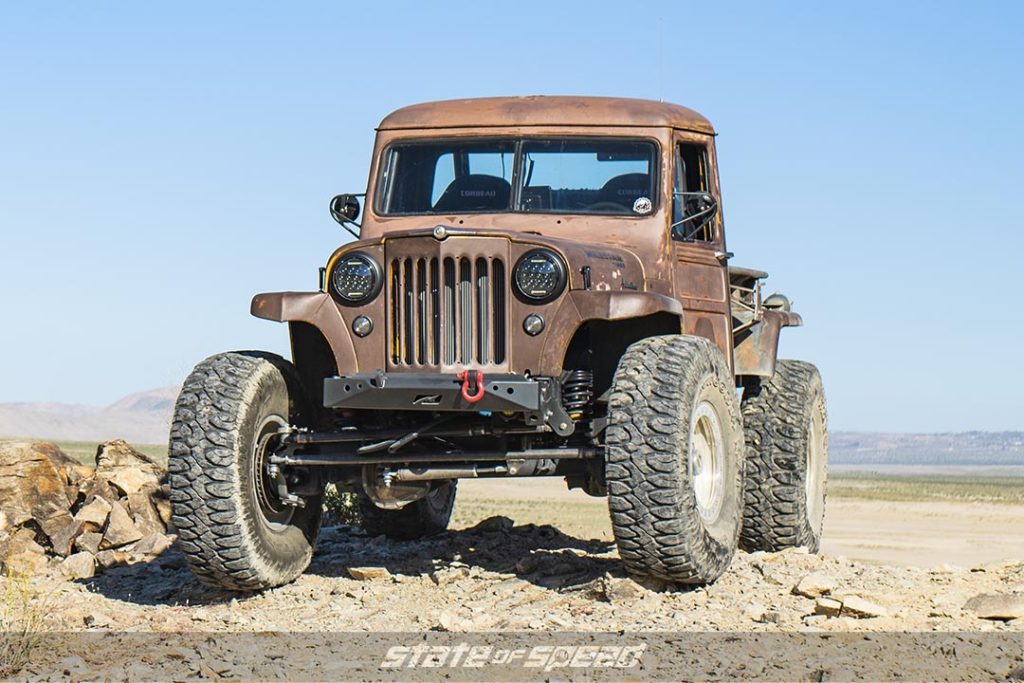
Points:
[578,393]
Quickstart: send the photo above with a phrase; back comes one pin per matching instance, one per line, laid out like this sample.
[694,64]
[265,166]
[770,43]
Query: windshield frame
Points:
[383,184]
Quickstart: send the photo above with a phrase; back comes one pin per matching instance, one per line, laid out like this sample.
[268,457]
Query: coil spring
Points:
[578,393]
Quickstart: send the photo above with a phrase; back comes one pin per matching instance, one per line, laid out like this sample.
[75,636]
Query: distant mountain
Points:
[145,418]
[964,448]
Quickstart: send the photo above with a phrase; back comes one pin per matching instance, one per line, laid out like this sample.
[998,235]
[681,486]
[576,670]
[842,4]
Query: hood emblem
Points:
[440,232]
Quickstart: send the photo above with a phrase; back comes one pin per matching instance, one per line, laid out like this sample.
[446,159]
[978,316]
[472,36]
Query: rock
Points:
[815,620]
[620,590]
[449,621]
[22,555]
[815,585]
[79,566]
[828,607]
[527,564]
[116,454]
[89,542]
[856,606]
[369,573]
[97,620]
[130,480]
[34,481]
[94,513]
[144,512]
[163,508]
[111,558]
[493,524]
[120,528]
[24,563]
[755,611]
[1016,674]
[5,522]
[97,487]
[61,529]
[997,606]
[609,589]
[446,575]
[152,545]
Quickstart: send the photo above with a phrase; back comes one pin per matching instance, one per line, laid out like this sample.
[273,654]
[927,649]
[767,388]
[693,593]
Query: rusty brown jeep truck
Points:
[539,286]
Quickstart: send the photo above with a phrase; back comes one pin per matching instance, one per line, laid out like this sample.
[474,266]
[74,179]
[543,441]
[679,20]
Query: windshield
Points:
[564,175]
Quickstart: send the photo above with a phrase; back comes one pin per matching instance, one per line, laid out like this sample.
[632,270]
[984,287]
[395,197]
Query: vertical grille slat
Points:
[408,312]
[465,297]
[451,324]
[422,338]
[435,314]
[482,309]
[498,290]
[447,310]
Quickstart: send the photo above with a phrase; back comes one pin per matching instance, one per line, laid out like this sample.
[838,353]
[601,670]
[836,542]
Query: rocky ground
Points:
[499,577]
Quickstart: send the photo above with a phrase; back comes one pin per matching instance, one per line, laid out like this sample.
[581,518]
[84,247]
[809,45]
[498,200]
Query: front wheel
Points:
[674,460]
[233,528]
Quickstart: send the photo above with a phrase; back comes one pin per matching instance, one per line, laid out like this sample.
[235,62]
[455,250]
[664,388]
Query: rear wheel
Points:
[674,460]
[233,528]
[786,426]
[424,517]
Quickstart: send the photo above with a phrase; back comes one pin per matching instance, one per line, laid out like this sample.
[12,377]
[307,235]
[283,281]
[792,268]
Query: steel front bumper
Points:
[415,391]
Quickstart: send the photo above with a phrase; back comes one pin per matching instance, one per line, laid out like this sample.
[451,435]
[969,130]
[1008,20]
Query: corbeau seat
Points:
[625,189]
[475,192]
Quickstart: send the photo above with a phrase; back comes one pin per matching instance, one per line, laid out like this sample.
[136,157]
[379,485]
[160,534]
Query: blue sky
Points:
[159,165]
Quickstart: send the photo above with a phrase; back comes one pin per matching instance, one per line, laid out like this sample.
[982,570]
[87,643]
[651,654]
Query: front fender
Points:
[316,309]
[580,306]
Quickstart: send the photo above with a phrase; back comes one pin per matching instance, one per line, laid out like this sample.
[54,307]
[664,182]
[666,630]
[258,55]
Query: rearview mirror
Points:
[699,208]
[345,208]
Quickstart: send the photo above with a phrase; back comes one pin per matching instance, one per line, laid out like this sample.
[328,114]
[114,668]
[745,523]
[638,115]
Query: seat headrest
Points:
[624,189]
[475,192]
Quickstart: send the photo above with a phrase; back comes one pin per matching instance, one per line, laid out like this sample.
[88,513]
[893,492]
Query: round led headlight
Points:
[356,279]
[539,276]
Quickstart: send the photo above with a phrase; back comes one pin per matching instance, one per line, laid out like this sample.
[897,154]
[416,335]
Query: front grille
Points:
[447,310]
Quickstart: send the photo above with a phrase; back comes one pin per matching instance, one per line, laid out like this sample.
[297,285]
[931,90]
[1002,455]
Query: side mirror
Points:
[345,208]
[699,208]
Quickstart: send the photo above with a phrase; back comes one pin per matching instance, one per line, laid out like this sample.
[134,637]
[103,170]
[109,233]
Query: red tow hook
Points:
[467,386]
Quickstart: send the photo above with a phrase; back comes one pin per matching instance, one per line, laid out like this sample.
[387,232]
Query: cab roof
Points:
[542,110]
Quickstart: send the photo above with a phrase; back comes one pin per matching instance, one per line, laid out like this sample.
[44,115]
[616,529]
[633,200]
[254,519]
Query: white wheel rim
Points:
[707,461]
[264,496]
[814,467]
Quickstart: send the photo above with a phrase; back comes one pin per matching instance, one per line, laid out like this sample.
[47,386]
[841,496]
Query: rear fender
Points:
[756,348]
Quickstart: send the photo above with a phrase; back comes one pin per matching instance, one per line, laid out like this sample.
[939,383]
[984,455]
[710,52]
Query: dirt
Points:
[503,576]
[905,533]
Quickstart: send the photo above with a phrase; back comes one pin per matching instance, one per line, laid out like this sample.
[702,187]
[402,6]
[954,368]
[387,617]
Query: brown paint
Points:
[636,268]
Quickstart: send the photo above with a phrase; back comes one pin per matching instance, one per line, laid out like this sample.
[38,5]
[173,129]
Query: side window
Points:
[691,176]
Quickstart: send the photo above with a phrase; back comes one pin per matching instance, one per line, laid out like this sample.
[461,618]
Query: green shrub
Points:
[22,616]
[340,508]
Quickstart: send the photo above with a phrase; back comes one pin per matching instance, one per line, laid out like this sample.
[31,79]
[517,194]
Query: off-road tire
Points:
[784,502]
[425,517]
[658,387]
[223,532]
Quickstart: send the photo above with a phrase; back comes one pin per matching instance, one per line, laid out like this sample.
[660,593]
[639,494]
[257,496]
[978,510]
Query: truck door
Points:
[701,279]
